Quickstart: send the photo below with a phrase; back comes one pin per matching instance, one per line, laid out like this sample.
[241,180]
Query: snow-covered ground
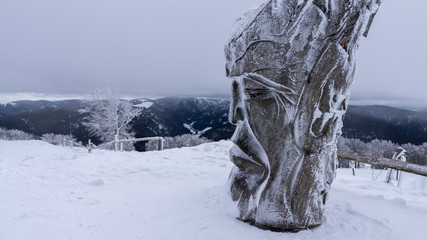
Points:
[51,192]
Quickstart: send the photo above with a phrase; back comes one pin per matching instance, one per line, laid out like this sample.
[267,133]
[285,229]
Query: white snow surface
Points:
[52,192]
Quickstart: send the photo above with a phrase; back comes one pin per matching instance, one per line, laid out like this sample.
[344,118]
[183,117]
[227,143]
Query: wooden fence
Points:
[159,142]
[118,145]
[384,162]
[357,157]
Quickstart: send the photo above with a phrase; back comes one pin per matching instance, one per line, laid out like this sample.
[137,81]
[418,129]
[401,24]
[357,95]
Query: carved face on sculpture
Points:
[261,112]
[291,63]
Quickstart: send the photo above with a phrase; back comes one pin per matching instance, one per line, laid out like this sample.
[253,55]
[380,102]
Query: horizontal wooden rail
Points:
[138,139]
[159,142]
[384,162]
[120,143]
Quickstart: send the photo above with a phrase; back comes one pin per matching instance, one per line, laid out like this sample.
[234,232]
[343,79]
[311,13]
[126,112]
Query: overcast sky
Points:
[170,47]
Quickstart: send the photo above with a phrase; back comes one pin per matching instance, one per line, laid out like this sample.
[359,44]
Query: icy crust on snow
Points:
[300,54]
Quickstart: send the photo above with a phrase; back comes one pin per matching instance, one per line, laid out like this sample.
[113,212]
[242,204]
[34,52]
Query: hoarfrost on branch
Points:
[108,116]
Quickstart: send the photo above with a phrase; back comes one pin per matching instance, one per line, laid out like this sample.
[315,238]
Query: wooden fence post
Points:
[160,144]
[89,146]
[399,154]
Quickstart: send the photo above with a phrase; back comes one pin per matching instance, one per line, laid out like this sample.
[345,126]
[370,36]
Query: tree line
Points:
[382,148]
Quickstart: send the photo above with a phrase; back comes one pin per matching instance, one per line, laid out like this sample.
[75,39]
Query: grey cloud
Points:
[141,47]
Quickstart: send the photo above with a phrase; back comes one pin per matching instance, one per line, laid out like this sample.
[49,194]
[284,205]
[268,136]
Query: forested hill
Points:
[207,117]
[382,122]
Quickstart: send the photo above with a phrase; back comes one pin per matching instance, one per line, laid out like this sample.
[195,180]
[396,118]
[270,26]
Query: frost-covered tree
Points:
[356,145]
[376,147]
[108,116]
[416,153]
[342,145]
[381,148]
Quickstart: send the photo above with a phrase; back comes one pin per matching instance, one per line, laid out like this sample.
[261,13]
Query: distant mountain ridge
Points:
[207,117]
[382,122]
[17,107]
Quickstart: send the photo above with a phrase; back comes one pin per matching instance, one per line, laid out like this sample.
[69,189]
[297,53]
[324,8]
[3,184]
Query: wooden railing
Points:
[118,145]
[159,142]
[384,162]
[372,160]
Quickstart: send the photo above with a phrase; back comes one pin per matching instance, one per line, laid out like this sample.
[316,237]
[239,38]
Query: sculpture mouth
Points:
[245,162]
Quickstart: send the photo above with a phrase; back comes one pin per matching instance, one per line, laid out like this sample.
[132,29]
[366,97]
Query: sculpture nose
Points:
[236,107]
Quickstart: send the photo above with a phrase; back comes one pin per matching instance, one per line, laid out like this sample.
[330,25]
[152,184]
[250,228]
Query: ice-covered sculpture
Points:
[292,63]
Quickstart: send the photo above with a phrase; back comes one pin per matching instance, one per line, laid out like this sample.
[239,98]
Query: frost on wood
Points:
[400,165]
[292,63]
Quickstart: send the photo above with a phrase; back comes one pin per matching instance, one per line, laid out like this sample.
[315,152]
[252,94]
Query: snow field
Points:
[51,192]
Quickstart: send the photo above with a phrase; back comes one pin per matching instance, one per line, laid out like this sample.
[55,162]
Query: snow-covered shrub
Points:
[6,134]
[342,145]
[381,148]
[356,145]
[186,140]
[416,153]
[152,145]
[59,139]
[128,146]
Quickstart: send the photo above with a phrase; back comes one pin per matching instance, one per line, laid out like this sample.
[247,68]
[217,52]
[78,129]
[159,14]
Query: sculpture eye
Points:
[253,93]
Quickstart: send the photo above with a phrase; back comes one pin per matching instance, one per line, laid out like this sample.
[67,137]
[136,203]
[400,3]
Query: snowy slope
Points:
[50,192]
